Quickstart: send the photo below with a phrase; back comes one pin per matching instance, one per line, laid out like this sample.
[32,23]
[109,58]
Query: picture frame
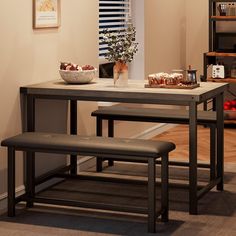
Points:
[46,14]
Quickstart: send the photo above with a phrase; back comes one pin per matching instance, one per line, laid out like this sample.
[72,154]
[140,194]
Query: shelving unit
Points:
[215,18]
[222,46]
[211,58]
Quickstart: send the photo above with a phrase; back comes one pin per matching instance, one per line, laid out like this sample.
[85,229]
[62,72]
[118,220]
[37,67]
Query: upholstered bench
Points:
[117,148]
[175,116]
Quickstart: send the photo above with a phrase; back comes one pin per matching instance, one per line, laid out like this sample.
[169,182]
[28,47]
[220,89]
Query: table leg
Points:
[151,195]
[193,158]
[220,140]
[212,152]
[73,130]
[30,156]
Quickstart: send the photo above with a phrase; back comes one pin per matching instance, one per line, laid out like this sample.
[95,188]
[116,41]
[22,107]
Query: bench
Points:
[175,116]
[117,148]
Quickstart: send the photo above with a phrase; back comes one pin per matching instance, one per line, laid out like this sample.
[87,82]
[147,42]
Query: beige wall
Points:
[30,56]
[165,40]
[176,36]
[196,33]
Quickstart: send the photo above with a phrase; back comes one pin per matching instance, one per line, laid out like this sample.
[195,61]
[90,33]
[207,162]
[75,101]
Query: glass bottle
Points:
[232,10]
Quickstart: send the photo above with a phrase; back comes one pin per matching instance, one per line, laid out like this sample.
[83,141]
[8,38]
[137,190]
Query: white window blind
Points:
[113,15]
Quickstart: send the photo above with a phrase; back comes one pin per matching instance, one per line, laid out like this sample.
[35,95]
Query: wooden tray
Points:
[172,86]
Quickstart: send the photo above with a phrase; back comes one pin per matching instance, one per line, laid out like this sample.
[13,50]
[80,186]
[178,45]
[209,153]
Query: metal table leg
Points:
[151,195]
[220,140]
[193,158]
[73,130]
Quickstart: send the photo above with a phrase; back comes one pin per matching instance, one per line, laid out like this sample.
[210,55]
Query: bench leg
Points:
[151,195]
[165,188]
[99,133]
[212,152]
[73,130]
[99,160]
[11,182]
[110,134]
[30,178]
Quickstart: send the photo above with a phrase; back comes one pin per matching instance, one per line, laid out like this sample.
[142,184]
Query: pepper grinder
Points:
[191,75]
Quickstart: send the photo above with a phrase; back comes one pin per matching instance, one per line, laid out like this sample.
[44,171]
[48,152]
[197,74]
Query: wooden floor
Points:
[179,135]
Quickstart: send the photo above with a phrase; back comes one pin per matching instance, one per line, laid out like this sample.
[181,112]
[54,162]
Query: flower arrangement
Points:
[121,45]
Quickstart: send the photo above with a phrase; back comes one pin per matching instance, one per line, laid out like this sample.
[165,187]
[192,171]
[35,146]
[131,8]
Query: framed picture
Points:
[46,13]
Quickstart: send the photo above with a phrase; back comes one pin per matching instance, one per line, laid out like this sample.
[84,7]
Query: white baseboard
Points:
[83,163]
[153,131]
[3,198]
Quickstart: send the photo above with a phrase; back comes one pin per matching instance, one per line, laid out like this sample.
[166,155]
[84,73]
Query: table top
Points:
[104,90]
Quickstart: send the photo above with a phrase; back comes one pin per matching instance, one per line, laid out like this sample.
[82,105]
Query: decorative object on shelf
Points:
[46,13]
[218,71]
[121,47]
[222,8]
[230,9]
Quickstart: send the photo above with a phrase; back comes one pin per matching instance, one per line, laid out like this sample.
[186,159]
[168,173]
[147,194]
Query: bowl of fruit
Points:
[75,74]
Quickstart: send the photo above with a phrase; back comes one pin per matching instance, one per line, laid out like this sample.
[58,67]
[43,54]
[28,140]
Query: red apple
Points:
[87,67]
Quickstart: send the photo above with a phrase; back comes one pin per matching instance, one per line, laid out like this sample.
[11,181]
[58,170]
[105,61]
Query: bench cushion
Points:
[155,115]
[52,142]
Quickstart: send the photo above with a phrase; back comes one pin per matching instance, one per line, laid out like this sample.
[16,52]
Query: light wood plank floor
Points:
[179,135]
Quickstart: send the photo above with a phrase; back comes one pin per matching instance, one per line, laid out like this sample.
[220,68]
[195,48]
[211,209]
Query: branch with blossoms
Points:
[121,45]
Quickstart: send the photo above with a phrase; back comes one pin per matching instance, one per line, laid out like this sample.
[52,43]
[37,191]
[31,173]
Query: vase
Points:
[120,74]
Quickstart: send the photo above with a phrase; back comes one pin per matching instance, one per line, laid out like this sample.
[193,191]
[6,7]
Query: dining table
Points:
[135,92]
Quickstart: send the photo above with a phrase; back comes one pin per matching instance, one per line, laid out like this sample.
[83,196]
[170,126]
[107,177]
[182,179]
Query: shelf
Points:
[223,18]
[230,122]
[230,117]
[220,54]
[225,80]
[223,0]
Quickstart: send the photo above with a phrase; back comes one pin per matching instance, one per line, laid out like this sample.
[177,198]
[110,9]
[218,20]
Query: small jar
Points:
[191,76]
[179,71]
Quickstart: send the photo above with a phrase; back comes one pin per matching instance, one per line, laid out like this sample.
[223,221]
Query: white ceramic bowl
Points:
[78,77]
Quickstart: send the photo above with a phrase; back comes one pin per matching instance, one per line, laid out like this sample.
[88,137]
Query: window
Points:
[113,15]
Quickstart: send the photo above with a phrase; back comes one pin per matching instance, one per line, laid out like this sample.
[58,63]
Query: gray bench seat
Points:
[153,115]
[120,148]
[175,116]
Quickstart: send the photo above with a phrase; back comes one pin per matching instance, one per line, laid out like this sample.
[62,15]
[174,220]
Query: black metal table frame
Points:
[73,97]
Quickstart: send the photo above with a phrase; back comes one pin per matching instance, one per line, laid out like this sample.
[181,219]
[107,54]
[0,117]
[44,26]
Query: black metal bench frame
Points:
[174,116]
[30,197]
